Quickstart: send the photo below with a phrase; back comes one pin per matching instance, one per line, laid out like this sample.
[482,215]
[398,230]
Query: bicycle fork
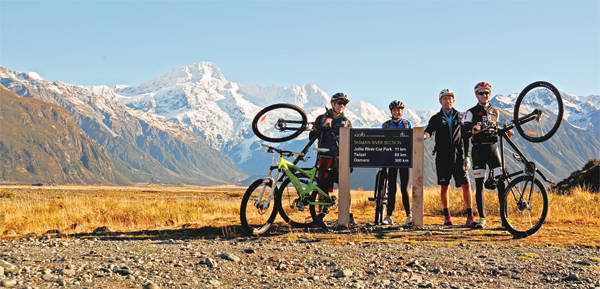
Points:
[271,192]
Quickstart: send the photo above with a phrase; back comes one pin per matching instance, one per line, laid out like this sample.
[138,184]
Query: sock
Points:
[446,212]
[469,212]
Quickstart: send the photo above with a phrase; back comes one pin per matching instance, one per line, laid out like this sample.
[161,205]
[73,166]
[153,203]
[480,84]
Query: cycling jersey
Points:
[330,138]
[402,124]
[488,117]
[449,146]
[393,173]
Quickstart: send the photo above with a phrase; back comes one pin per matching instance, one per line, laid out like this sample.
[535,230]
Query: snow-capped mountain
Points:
[580,111]
[144,146]
[198,100]
[199,97]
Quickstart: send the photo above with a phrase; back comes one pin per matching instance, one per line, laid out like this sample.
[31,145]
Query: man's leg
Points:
[466,188]
[444,196]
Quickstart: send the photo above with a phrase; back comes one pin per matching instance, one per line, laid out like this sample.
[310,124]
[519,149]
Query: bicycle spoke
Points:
[257,215]
[292,213]
[279,122]
[526,206]
[544,98]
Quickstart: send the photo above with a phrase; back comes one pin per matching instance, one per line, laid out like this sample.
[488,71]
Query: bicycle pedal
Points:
[372,199]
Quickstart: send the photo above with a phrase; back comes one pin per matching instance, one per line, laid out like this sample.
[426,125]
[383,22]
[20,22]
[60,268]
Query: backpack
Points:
[387,124]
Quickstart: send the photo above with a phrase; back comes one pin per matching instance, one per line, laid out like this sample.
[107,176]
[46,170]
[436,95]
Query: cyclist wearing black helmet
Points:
[450,145]
[397,122]
[480,123]
[329,125]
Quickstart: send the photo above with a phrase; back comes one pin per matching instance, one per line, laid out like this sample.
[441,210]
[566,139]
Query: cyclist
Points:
[329,124]
[450,146]
[397,122]
[480,123]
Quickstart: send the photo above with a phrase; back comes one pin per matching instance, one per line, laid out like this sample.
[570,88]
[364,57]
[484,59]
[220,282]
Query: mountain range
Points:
[191,125]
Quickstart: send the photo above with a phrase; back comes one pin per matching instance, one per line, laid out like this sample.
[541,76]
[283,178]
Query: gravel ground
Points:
[297,260]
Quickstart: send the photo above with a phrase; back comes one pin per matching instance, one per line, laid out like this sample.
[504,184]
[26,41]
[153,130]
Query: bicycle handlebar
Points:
[272,150]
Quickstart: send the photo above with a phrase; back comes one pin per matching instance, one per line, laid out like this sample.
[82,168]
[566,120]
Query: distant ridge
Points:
[40,142]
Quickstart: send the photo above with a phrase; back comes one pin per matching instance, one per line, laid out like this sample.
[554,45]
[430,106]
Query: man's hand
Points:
[510,133]
[477,128]
[328,122]
[467,163]
[426,135]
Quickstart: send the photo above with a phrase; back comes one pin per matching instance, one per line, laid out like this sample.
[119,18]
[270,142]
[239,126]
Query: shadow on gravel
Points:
[360,232]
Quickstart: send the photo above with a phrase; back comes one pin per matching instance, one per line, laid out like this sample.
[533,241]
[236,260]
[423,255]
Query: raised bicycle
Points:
[538,113]
[293,188]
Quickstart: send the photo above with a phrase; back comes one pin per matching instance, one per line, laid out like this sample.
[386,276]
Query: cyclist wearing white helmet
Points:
[480,123]
[329,125]
[397,122]
[450,146]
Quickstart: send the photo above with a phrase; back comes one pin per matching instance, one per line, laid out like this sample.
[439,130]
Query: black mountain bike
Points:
[380,195]
[538,113]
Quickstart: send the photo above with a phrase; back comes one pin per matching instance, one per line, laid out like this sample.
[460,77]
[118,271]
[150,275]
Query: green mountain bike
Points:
[293,192]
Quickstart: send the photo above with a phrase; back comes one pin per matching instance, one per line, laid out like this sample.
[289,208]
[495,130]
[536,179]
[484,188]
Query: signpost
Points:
[381,148]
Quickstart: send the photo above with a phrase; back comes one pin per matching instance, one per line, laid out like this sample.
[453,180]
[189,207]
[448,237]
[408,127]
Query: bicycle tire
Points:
[380,196]
[546,97]
[523,219]
[329,219]
[288,210]
[257,221]
[271,123]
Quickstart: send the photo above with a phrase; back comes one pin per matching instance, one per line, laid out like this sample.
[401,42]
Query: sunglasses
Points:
[340,103]
[483,93]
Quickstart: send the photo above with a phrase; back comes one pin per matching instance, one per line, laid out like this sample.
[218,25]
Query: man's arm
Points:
[467,126]
[430,128]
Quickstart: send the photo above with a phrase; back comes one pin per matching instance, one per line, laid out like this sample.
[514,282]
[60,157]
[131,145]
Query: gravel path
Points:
[114,260]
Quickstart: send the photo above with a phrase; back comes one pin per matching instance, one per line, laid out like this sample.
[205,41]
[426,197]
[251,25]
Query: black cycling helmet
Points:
[396,104]
[340,97]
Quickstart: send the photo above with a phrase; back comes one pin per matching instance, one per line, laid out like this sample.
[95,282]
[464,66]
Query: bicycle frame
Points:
[530,170]
[530,167]
[285,165]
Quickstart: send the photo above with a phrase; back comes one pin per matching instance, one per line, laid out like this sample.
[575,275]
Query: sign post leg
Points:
[344,177]
[417,177]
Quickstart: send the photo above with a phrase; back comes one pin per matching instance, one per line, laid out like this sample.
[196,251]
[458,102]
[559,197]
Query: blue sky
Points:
[375,51]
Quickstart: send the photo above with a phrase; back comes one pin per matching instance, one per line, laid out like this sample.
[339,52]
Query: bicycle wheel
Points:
[525,206]
[546,98]
[256,220]
[380,196]
[286,202]
[279,122]
[325,216]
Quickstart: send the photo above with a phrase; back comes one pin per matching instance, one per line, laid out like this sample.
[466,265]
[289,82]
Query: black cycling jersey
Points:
[488,117]
[449,145]
[330,138]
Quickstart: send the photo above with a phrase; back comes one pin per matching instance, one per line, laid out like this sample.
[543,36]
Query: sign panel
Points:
[378,148]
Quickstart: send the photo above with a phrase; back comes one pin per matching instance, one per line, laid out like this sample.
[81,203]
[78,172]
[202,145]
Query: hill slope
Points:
[144,147]
[40,142]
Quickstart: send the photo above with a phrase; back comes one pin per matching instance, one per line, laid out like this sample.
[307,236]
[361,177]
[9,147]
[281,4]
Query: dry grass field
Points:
[573,219]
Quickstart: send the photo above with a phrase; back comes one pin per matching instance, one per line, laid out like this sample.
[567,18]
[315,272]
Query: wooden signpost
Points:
[381,148]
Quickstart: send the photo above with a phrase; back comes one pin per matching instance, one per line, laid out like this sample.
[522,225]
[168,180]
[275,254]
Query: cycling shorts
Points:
[482,155]
[325,167]
[448,169]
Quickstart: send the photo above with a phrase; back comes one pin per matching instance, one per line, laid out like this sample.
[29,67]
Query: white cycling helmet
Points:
[446,91]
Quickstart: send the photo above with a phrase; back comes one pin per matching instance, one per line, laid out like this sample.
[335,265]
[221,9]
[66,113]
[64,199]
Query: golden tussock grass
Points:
[75,209]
